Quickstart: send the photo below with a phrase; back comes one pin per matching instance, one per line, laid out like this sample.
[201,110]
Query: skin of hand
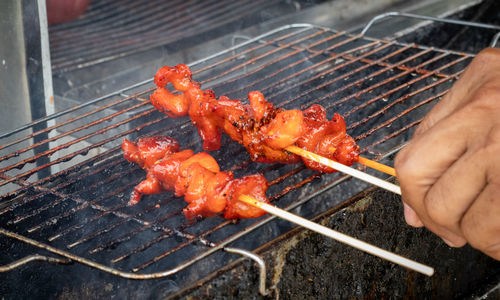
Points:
[450,171]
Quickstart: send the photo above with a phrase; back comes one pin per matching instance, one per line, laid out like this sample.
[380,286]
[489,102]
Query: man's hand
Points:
[450,171]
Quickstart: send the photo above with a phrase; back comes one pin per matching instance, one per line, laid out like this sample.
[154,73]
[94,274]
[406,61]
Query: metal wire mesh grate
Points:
[382,89]
[112,29]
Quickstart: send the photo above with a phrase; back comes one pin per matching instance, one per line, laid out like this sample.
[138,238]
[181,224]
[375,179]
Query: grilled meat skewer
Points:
[197,177]
[263,130]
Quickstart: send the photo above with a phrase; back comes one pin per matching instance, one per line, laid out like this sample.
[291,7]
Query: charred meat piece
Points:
[263,130]
[197,177]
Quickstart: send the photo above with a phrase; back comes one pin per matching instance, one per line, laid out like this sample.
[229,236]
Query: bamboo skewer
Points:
[376,165]
[343,238]
[373,164]
[345,169]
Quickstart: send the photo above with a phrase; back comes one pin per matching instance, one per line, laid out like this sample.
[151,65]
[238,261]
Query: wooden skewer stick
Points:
[345,169]
[376,165]
[373,164]
[343,238]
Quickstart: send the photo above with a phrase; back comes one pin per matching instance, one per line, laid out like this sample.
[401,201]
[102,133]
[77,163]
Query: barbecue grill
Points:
[65,184]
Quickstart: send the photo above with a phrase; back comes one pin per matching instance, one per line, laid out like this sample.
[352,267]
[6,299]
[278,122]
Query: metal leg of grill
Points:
[260,262]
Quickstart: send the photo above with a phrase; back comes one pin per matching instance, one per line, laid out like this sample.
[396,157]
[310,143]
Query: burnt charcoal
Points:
[307,265]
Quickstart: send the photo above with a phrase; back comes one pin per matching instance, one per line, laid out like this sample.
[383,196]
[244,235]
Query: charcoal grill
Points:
[78,212]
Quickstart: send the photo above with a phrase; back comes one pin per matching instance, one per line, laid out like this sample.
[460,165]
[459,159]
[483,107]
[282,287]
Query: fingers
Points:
[455,190]
[451,196]
[426,158]
[441,173]
[411,217]
[481,225]
[450,171]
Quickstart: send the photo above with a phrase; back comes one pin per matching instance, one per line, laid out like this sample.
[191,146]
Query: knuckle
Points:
[486,59]
[487,95]
[490,154]
[401,163]
[478,234]
[425,125]
[494,250]
[436,210]
[469,226]
[488,54]
[493,141]
[404,173]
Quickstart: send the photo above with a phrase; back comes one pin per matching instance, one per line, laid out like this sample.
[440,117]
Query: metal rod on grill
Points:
[343,238]
[345,169]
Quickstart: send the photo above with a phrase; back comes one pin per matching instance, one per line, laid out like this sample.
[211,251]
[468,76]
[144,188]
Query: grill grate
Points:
[112,29]
[382,89]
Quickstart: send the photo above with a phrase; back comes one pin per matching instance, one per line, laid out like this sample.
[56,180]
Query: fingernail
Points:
[457,242]
[449,243]
[411,217]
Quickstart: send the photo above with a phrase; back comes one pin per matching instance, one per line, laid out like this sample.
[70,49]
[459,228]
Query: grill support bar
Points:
[35,257]
[427,18]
